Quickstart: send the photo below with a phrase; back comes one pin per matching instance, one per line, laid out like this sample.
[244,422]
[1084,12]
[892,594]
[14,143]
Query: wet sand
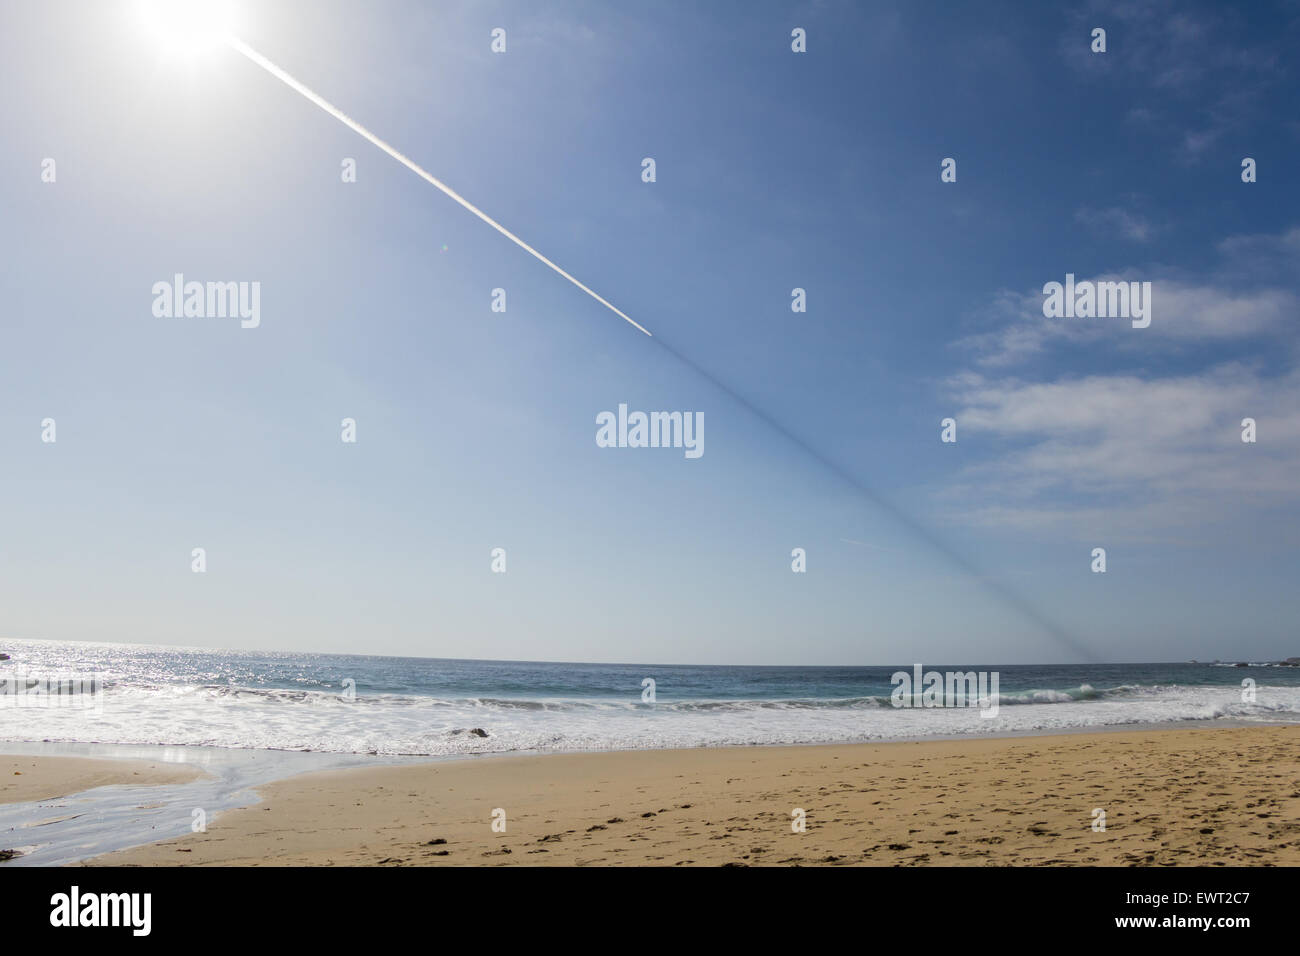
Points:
[27,778]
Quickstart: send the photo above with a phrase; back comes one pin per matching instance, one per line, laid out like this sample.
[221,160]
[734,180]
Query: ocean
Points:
[359,704]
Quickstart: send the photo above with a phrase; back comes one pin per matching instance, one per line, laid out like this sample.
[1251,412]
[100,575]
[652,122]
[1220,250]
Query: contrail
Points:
[356,127]
[1005,594]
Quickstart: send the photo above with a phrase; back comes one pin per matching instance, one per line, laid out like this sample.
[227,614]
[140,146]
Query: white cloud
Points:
[1243,298]
[1182,313]
[1138,454]
[1127,454]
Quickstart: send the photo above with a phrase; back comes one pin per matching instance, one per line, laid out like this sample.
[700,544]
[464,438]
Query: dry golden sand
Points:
[1171,797]
[40,778]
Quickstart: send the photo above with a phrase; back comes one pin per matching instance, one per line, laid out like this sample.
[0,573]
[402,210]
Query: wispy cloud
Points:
[1266,257]
[1250,293]
[1128,454]
[1184,313]
[1115,221]
[1171,58]
[1138,453]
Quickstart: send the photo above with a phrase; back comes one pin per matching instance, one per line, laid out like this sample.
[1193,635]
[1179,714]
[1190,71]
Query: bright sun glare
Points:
[187,27]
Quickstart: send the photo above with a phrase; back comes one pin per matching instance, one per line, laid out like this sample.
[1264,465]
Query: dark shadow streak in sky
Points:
[997,588]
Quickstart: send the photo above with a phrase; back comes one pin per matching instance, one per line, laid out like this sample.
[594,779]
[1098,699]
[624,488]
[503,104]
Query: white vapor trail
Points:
[356,127]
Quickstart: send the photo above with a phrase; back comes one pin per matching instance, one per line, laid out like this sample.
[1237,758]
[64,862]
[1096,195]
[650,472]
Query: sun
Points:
[187,28]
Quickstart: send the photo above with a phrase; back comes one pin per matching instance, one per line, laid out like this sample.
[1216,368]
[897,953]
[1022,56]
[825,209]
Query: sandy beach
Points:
[1198,797]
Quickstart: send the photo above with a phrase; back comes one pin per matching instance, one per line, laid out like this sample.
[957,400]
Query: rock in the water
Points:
[472,731]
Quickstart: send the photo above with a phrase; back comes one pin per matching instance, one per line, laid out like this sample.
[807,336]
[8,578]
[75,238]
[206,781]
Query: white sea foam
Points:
[225,716]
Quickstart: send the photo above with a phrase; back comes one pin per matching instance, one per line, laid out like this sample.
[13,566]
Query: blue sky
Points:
[775,170]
